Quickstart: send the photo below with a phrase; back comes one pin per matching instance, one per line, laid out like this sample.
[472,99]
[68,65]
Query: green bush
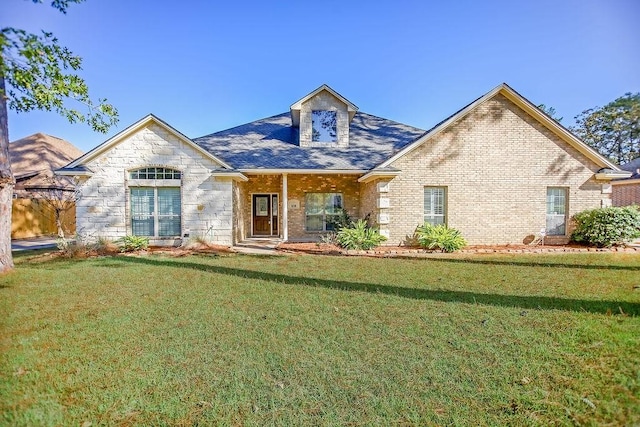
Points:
[133,243]
[359,235]
[342,220]
[439,237]
[606,227]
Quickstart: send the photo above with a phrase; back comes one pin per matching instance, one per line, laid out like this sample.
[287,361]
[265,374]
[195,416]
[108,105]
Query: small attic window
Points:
[324,126]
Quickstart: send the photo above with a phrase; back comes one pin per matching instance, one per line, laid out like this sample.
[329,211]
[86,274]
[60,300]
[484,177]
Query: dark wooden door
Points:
[262,214]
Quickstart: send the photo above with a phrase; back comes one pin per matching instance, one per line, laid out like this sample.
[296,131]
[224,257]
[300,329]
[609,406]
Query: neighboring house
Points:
[33,160]
[626,191]
[498,170]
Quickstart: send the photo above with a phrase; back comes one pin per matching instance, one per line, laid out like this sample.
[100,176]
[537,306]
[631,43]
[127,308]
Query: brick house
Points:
[626,191]
[498,170]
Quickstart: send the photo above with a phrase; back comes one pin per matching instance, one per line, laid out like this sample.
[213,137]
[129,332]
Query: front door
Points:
[265,214]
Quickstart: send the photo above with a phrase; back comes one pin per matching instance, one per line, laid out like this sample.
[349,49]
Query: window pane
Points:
[142,200]
[155,173]
[314,223]
[319,206]
[314,203]
[333,203]
[434,205]
[556,211]
[168,227]
[168,211]
[169,201]
[324,126]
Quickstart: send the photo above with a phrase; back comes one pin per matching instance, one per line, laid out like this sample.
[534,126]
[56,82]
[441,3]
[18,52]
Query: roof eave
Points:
[236,176]
[66,172]
[303,171]
[377,174]
[626,181]
[610,175]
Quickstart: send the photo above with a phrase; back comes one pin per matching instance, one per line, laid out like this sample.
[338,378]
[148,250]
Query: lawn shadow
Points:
[526,302]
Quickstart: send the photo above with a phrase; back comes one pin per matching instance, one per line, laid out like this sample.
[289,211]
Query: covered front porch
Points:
[296,206]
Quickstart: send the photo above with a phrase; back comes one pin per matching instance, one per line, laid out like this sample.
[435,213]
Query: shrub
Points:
[342,220]
[133,243]
[359,235]
[606,227]
[439,237]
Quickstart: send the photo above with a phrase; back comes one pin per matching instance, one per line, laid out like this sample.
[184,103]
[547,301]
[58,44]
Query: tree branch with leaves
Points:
[613,130]
[36,73]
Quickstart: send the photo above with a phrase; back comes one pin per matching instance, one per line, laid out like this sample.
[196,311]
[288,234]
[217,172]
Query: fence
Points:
[34,217]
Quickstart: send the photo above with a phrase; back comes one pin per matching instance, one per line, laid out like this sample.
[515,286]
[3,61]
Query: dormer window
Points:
[324,126]
[323,119]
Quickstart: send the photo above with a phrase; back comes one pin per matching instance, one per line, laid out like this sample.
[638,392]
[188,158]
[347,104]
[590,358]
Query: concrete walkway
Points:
[43,242]
[258,246]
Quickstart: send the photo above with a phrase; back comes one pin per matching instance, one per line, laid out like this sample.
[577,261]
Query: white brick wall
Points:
[207,208]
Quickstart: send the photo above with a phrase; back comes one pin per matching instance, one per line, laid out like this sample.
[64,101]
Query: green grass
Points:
[317,340]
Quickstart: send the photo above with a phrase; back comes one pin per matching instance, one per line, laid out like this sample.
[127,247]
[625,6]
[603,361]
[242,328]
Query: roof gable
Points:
[297,106]
[40,152]
[140,124]
[523,103]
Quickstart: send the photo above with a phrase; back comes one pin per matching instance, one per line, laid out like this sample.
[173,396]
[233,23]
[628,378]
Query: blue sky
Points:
[204,66]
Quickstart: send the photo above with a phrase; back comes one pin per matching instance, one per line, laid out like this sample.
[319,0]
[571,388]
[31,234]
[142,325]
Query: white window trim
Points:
[564,216]
[323,215]
[156,215]
[153,184]
[444,214]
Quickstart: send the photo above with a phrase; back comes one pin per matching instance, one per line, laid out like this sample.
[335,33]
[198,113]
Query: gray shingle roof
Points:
[272,143]
[632,167]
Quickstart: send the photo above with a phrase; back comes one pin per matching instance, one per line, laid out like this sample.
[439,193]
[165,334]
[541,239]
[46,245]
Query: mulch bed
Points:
[330,249]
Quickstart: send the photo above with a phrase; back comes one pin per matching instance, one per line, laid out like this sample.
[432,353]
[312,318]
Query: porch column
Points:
[285,208]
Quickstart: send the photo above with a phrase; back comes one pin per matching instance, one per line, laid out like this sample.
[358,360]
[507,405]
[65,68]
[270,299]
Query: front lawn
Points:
[318,340]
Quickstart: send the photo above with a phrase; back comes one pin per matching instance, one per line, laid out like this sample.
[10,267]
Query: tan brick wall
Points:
[299,185]
[626,194]
[496,163]
[369,201]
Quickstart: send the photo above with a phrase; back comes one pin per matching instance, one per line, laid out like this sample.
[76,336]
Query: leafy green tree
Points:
[36,73]
[613,130]
[551,112]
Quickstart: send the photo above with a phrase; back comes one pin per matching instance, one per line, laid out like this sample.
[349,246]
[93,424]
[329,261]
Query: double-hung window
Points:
[320,209]
[556,211]
[435,208]
[155,202]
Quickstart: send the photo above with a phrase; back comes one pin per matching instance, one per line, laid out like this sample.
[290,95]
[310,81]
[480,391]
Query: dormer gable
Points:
[323,117]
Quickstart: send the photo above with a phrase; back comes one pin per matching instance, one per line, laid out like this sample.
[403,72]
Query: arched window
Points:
[155,202]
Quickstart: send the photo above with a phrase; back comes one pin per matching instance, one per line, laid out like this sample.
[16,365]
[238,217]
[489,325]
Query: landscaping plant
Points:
[606,227]
[360,236]
[439,237]
[133,243]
